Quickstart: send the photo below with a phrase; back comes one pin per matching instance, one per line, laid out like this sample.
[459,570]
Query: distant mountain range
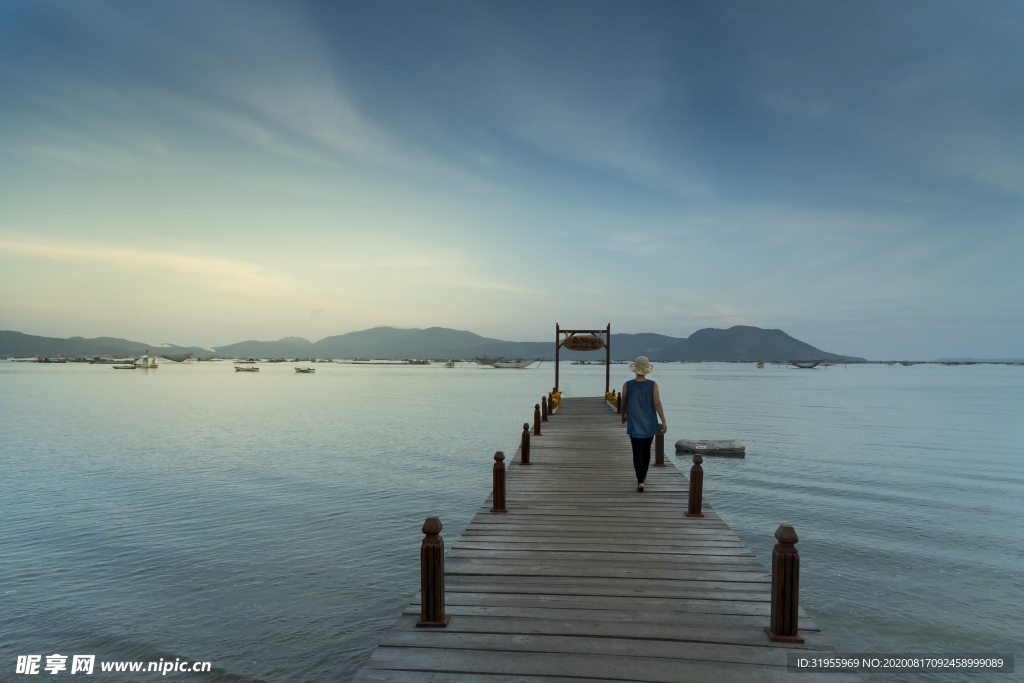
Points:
[740,343]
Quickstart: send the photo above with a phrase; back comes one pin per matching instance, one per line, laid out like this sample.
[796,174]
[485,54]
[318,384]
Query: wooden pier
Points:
[584,579]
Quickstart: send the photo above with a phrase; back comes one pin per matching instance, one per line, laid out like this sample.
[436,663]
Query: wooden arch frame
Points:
[607,332]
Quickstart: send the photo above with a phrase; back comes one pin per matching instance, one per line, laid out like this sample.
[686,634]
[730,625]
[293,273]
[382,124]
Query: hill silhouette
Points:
[739,343]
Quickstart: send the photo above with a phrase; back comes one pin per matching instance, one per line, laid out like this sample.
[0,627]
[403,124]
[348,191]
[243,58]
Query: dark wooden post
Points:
[659,449]
[543,408]
[536,420]
[498,498]
[432,576]
[785,587]
[696,487]
[558,345]
[608,359]
[524,448]
[618,402]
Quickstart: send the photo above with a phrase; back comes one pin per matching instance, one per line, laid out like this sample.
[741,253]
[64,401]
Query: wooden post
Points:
[524,448]
[608,359]
[785,587]
[659,449]
[558,345]
[498,498]
[432,576]
[543,408]
[618,403]
[536,420]
[696,487]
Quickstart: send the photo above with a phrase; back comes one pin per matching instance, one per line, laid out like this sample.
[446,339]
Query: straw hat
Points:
[641,366]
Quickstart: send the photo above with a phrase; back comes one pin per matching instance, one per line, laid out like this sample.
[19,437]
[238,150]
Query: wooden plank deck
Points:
[584,579]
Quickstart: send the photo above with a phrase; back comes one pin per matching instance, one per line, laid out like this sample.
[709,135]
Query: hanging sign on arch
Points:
[583,343]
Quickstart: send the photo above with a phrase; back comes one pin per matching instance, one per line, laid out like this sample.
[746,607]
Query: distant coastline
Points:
[736,344]
[740,343]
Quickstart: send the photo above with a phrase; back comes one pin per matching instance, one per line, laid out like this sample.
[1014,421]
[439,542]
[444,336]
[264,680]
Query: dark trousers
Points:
[641,456]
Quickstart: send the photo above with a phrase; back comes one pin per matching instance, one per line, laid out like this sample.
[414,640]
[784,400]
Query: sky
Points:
[203,172]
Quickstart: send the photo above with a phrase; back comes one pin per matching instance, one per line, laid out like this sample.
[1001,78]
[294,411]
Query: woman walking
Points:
[641,408]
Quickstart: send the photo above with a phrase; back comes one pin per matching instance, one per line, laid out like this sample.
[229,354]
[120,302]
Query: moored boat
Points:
[506,363]
[306,371]
[711,447]
[144,362]
[517,364]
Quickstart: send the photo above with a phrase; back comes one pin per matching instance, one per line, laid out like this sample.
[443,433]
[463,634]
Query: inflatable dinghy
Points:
[712,447]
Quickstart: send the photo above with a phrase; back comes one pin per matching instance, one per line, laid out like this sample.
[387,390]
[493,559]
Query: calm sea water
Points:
[269,523]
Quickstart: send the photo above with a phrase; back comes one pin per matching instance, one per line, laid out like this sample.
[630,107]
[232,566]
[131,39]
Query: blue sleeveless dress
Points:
[642,418]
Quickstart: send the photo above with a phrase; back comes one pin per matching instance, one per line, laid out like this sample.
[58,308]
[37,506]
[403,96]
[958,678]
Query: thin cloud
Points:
[454,271]
[224,274]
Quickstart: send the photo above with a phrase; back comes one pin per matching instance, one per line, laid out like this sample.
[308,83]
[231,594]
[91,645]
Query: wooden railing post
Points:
[696,487]
[785,587]
[524,448]
[536,420]
[659,449]
[432,576]
[498,497]
[544,408]
[618,402]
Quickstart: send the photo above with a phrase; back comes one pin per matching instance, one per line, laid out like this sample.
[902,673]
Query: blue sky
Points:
[209,172]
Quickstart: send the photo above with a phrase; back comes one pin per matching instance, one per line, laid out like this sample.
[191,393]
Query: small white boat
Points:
[307,371]
[517,363]
[247,368]
[144,362]
[711,447]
